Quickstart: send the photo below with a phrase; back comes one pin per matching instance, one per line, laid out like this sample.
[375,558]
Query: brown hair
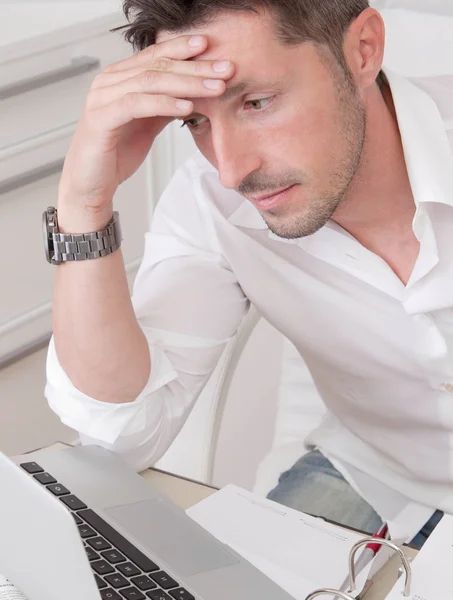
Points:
[323,22]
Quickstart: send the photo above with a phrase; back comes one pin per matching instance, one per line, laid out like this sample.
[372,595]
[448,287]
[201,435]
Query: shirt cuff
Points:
[105,421]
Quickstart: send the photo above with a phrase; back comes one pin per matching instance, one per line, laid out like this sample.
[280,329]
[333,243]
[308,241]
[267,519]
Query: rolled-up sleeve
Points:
[189,306]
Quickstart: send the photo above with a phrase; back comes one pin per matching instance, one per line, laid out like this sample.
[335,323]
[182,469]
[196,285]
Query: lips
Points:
[267,196]
[268,202]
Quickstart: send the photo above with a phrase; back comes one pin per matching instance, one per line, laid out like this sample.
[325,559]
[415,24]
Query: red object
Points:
[380,533]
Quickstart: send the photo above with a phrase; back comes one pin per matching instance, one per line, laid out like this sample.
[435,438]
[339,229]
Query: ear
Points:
[364,47]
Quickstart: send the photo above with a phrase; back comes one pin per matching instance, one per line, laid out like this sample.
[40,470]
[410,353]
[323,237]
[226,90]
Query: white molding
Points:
[37,141]
[36,152]
[62,37]
[33,326]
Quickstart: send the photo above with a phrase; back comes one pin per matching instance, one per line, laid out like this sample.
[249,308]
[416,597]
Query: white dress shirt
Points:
[380,353]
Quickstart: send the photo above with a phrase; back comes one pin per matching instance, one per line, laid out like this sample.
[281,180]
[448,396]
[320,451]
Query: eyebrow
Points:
[247,85]
[236,90]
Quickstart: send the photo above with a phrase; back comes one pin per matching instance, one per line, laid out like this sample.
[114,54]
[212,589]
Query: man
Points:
[323,194]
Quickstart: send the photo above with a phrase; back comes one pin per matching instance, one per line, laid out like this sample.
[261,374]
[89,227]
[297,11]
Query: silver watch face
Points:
[49,225]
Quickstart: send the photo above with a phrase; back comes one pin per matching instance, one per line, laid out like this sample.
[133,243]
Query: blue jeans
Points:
[314,486]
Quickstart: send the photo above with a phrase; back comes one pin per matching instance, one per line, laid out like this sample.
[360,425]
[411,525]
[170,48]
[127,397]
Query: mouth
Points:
[269,201]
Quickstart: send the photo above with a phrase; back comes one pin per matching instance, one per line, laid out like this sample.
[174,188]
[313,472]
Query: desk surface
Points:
[185,493]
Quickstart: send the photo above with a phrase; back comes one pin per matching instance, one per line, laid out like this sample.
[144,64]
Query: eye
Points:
[194,123]
[258,103]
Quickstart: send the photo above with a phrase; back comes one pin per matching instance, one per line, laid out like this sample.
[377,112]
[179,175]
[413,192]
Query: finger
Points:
[223,69]
[138,106]
[154,83]
[179,48]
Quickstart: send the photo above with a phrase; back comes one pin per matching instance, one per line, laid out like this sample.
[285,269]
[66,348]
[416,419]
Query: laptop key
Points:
[98,544]
[110,594]
[113,557]
[132,593]
[143,582]
[102,567]
[117,581]
[100,582]
[158,595]
[120,542]
[86,531]
[32,467]
[58,490]
[164,580]
[92,555]
[77,519]
[128,569]
[45,478]
[181,594]
[73,502]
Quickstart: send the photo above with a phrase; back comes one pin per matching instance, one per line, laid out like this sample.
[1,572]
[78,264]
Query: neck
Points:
[380,197]
[379,207]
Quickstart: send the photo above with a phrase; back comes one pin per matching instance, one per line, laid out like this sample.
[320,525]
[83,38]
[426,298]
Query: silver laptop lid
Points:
[41,551]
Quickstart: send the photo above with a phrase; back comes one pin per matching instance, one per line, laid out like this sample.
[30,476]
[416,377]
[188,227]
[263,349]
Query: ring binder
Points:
[382,542]
[325,591]
[352,575]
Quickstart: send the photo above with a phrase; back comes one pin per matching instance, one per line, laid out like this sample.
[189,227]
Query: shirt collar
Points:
[423,129]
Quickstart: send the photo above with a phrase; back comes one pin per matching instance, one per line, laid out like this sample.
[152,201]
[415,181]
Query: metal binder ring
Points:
[372,540]
[330,592]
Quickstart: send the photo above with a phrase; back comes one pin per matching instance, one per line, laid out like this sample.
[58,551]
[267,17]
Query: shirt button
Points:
[448,387]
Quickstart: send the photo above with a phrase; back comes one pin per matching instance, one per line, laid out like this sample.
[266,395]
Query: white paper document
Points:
[300,553]
[8,591]
[432,568]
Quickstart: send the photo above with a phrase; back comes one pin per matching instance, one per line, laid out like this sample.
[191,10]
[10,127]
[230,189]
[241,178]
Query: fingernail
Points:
[183,105]
[221,66]
[213,84]
[195,41]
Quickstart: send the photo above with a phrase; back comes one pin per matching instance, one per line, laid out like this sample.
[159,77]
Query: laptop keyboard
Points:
[120,569]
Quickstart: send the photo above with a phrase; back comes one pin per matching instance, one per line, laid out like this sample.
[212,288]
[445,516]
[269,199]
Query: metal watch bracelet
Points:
[86,246]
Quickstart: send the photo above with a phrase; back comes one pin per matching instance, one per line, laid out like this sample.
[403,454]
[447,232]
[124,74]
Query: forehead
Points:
[234,34]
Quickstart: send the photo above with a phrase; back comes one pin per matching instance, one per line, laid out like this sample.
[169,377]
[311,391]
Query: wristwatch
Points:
[63,247]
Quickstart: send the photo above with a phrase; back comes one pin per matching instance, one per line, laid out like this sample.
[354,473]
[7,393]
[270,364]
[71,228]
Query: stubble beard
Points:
[319,210]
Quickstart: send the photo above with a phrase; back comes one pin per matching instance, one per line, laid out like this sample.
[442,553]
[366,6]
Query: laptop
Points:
[79,524]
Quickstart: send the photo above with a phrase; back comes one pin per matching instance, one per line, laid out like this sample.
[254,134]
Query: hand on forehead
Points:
[231,36]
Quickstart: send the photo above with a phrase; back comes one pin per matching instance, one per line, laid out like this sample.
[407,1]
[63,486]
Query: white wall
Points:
[36,126]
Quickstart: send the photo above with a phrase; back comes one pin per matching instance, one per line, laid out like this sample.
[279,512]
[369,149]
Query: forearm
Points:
[98,340]
[97,337]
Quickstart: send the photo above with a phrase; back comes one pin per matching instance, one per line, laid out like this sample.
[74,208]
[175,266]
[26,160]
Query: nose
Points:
[236,155]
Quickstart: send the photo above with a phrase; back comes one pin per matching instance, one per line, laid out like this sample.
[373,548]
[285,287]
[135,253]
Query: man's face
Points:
[299,123]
